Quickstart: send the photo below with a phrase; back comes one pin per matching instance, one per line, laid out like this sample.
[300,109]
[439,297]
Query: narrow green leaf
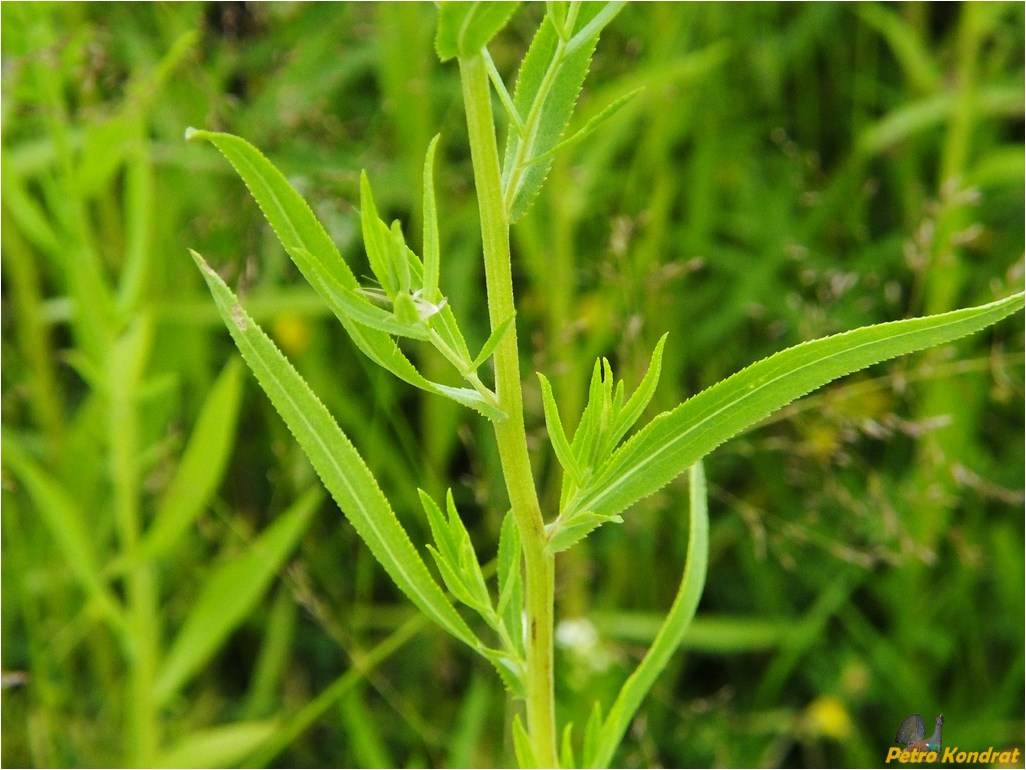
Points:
[522,744]
[454,580]
[557,436]
[908,46]
[635,406]
[401,254]
[274,657]
[439,528]
[491,343]
[336,461]
[432,248]
[566,751]
[455,556]
[565,533]
[203,462]
[221,746]
[105,147]
[470,567]
[465,28]
[516,123]
[589,428]
[364,736]
[473,723]
[509,571]
[510,602]
[587,129]
[670,634]
[595,25]
[592,736]
[675,440]
[230,594]
[297,228]
[376,240]
[26,211]
[713,634]
[606,420]
[548,84]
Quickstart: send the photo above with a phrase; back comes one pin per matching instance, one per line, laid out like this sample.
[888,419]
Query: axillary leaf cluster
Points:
[605,421]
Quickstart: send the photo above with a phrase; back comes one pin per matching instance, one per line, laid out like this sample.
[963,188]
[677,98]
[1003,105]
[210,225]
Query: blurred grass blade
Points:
[916,117]
[26,213]
[714,634]
[230,594]
[675,440]
[473,723]
[465,28]
[308,714]
[202,466]
[221,746]
[297,228]
[670,634]
[907,44]
[67,525]
[336,461]
[364,734]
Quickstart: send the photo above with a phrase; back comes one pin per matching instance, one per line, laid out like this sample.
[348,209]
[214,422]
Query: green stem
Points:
[125,366]
[509,433]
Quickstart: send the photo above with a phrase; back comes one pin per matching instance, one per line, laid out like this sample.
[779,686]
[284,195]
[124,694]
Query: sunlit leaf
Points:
[336,461]
[675,440]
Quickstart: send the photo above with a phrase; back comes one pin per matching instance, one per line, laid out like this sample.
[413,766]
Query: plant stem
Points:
[509,433]
[125,365]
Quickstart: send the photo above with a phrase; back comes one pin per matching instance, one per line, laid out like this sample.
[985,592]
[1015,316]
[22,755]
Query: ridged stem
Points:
[509,433]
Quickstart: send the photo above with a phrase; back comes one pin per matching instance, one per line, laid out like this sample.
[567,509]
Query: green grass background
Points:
[789,171]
